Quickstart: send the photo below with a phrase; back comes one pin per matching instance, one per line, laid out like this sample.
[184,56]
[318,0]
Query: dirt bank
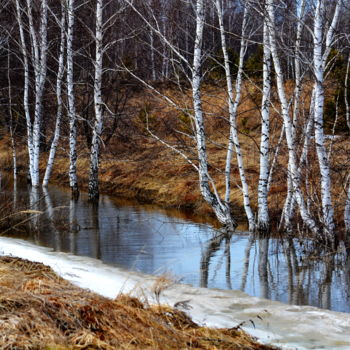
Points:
[40,310]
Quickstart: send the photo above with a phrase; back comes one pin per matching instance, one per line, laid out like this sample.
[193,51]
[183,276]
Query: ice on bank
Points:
[287,326]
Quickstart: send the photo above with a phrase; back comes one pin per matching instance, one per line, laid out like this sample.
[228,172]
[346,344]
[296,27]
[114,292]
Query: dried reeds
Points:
[39,310]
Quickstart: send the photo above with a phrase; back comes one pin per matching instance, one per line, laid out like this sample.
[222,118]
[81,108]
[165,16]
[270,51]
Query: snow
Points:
[287,326]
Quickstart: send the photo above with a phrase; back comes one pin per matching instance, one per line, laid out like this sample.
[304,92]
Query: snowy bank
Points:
[287,326]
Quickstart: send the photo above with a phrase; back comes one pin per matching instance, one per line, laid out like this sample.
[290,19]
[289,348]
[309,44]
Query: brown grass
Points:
[39,310]
[136,166]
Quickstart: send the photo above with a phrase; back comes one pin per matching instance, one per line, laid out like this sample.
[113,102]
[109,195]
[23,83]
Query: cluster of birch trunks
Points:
[49,42]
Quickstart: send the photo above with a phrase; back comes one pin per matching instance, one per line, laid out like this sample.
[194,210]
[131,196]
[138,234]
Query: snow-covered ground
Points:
[287,326]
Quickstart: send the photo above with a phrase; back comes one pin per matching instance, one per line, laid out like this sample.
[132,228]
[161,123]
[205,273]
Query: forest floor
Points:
[40,310]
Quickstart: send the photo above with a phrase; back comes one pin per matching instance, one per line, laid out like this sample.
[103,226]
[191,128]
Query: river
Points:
[139,241]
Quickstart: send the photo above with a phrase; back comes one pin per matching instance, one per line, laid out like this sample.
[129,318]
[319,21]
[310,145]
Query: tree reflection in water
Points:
[212,247]
[289,270]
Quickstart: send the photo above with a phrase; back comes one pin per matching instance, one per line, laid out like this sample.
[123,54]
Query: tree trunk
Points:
[263,210]
[98,103]
[73,181]
[295,175]
[26,89]
[327,206]
[221,209]
[347,211]
[59,81]
[233,103]
[40,68]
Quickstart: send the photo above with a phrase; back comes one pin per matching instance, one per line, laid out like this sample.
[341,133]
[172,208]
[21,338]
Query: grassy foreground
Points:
[40,310]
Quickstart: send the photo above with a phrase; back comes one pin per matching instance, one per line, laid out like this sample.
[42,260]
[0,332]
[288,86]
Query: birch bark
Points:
[233,102]
[319,62]
[11,128]
[39,46]
[288,208]
[26,88]
[59,81]
[98,103]
[73,181]
[294,173]
[347,211]
[263,211]
[346,89]
[221,208]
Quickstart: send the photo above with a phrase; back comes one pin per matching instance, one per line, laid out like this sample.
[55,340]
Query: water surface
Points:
[155,241]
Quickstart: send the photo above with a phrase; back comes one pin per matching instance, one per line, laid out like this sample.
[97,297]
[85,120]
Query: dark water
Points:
[154,241]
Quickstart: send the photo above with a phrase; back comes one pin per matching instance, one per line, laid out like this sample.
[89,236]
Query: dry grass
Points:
[136,166]
[39,310]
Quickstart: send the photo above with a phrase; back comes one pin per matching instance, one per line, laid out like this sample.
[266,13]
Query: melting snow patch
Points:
[289,327]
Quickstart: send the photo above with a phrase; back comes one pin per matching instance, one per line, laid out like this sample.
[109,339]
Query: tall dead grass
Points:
[39,310]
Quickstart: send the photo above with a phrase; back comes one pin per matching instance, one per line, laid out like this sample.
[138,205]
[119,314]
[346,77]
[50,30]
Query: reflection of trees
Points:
[308,271]
[326,282]
[228,262]
[50,217]
[73,225]
[212,247]
[95,242]
[14,194]
[296,274]
[34,217]
[346,274]
[246,262]
[263,267]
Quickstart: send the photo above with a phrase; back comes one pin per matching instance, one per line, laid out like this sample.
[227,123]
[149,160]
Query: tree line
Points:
[72,63]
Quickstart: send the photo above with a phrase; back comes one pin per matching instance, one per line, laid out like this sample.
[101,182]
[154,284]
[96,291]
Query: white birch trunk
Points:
[346,89]
[59,81]
[153,64]
[221,209]
[294,173]
[233,103]
[347,211]
[289,205]
[39,46]
[26,87]
[287,214]
[73,181]
[263,211]
[165,63]
[12,137]
[318,66]
[98,103]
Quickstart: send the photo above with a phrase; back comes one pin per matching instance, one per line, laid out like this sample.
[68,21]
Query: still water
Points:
[155,241]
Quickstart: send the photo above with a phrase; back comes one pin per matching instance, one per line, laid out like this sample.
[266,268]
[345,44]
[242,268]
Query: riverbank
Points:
[40,310]
[285,326]
[134,165]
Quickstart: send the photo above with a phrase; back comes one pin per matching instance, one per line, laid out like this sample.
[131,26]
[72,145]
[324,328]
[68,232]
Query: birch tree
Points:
[26,82]
[347,210]
[221,208]
[263,211]
[319,63]
[73,180]
[11,121]
[38,49]
[288,208]
[287,122]
[98,104]
[59,81]
[233,102]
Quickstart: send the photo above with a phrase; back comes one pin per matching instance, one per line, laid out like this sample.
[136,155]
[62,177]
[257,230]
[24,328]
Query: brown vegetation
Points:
[39,310]
[136,166]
